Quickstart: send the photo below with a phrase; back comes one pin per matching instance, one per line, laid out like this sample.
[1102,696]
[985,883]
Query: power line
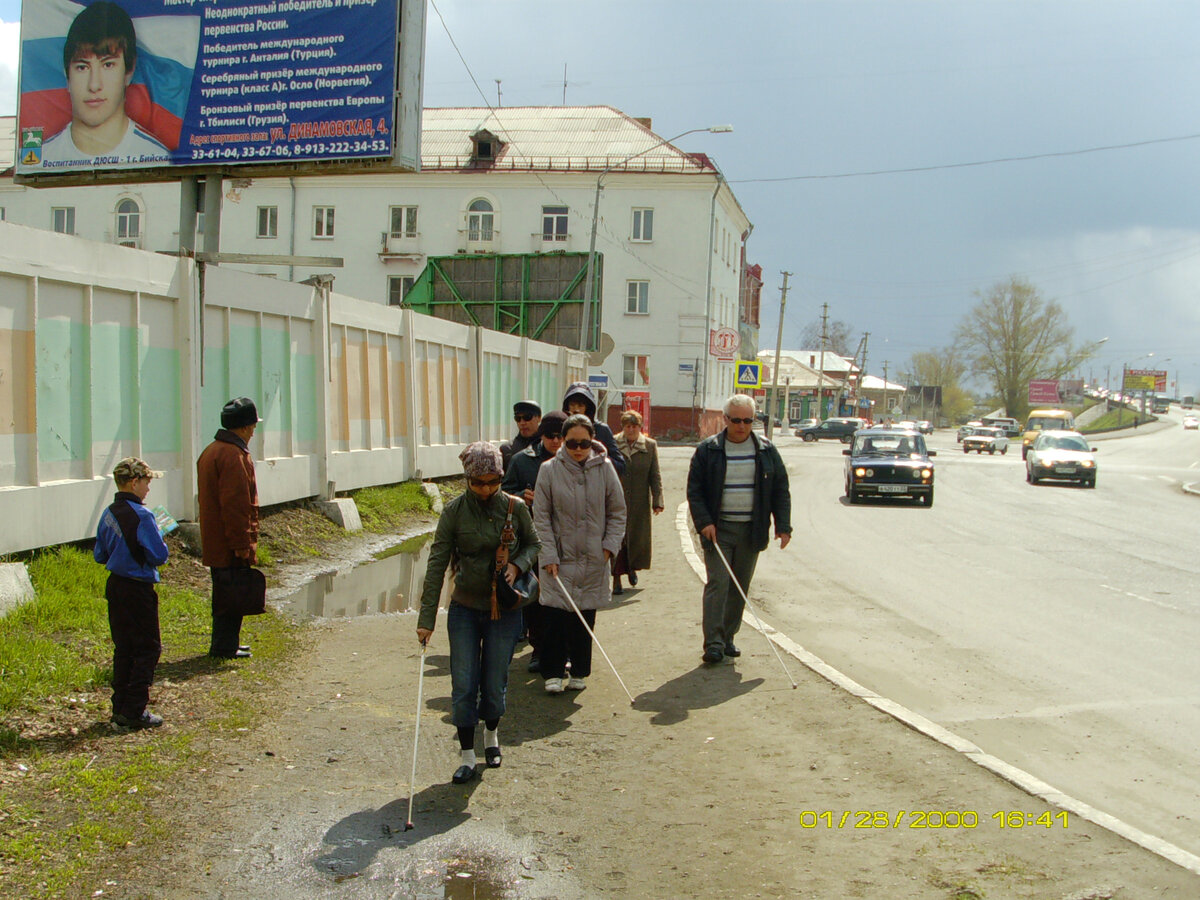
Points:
[965,165]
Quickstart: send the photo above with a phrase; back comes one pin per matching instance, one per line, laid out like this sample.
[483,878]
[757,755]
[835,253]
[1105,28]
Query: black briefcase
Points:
[239,591]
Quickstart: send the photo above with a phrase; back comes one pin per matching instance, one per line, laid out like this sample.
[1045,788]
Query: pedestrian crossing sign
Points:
[749,374]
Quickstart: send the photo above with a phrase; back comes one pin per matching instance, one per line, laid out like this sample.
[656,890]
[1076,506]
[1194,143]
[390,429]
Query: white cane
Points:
[592,635]
[412,779]
[757,620]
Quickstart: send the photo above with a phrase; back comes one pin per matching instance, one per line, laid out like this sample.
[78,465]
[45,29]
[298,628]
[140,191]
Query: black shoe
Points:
[618,591]
[146,720]
[493,756]
[731,650]
[236,654]
[633,579]
[535,664]
[712,655]
[463,774]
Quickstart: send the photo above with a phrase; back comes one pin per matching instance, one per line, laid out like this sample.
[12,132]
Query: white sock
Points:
[468,758]
[491,738]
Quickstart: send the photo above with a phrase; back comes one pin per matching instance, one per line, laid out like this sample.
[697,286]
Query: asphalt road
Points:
[1054,626]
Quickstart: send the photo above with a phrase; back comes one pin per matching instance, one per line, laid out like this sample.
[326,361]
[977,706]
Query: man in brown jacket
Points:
[228,517]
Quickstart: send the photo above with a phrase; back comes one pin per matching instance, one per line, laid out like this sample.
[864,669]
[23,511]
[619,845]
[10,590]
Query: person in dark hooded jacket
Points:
[579,399]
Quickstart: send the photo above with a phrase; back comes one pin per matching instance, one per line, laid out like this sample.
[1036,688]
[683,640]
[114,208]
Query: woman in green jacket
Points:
[482,632]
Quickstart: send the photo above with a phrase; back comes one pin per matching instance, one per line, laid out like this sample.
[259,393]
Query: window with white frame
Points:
[643,225]
[554,223]
[323,222]
[637,297]
[635,371]
[480,221]
[268,221]
[129,223]
[403,222]
[398,288]
[62,219]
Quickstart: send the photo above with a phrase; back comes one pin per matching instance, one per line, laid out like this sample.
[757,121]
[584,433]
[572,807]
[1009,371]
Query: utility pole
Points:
[778,349]
[886,408]
[821,370]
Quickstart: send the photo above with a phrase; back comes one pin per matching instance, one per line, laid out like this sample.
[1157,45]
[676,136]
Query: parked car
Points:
[805,423]
[889,462]
[1010,426]
[1191,423]
[969,428]
[925,426]
[836,429]
[990,440]
[1061,455]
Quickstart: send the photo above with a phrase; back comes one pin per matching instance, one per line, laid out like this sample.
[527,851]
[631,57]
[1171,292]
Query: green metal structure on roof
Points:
[535,295]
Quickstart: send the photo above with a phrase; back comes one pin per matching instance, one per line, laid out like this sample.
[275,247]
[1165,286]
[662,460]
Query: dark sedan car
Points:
[889,462]
[840,429]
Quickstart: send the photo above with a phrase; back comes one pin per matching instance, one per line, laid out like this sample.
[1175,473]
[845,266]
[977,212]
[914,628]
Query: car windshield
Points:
[1039,423]
[1064,443]
[888,445]
[988,432]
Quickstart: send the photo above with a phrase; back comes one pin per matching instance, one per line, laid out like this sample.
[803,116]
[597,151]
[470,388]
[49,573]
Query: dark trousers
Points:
[534,625]
[565,638]
[226,626]
[723,603]
[133,624]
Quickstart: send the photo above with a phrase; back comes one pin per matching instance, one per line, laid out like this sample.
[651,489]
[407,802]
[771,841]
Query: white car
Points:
[1191,423]
[992,440]
[1061,455]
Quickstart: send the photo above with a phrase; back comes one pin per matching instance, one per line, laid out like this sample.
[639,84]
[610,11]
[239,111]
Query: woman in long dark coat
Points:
[642,482]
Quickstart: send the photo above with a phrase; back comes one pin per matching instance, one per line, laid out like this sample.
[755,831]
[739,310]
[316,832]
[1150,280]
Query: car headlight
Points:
[1087,463]
[860,472]
[926,474]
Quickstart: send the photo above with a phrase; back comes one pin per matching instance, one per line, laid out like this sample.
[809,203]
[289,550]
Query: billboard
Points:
[201,85]
[1144,380]
[1044,390]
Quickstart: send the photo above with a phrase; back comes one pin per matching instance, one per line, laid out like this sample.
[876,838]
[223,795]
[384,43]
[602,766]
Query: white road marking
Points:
[1167,479]
[1019,777]
[1150,600]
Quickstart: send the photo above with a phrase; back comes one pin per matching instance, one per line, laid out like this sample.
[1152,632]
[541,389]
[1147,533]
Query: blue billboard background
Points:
[219,82]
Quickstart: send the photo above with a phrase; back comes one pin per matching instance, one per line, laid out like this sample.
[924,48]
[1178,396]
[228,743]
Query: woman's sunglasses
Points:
[479,482]
[577,445]
[740,421]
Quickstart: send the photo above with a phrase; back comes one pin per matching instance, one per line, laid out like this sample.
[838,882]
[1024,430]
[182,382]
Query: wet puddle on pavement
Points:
[389,584]
[474,879]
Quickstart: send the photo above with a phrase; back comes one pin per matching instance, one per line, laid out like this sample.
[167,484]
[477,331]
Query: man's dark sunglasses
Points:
[749,421]
[524,417]
[577,445]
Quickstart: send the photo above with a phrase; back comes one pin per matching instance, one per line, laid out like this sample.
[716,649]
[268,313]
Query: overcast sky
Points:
[822,89]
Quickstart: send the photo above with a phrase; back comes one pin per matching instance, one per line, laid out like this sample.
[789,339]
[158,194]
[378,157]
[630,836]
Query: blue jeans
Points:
[480,652]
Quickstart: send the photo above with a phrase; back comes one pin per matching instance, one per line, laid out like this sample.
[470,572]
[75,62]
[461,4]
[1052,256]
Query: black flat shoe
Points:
[494,757]
[633,579]
[618,591]
[463,774]
[712,655]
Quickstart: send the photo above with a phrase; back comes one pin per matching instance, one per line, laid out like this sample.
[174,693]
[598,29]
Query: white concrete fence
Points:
[107,352]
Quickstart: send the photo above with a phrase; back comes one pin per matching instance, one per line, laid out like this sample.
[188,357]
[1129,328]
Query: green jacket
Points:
[467,536]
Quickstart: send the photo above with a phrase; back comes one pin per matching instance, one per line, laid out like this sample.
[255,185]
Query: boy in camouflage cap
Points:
[129,544]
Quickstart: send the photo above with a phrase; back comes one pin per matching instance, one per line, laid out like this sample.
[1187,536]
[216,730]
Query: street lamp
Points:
[591,261]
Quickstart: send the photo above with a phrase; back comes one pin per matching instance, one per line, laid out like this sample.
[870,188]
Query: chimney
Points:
[644,121]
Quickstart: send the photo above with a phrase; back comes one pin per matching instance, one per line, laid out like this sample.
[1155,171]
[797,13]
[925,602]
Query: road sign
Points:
[723,343]
[749,374]
[597,380]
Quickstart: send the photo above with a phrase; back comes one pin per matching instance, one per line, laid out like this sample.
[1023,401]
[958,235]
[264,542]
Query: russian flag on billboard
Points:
[157,98]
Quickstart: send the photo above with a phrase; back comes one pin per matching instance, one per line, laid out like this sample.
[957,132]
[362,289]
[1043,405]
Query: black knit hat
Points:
[239,412]
[552,423]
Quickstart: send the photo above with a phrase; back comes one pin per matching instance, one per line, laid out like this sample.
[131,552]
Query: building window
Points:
[129,223]
[404,222]
[322,221]
[636,371]
[398,288]
[554,223]
[637,297]
[63,218]
[268,221]
[480,221]
[643,225]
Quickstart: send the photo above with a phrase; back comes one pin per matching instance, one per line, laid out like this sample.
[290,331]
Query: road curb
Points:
[1010,773]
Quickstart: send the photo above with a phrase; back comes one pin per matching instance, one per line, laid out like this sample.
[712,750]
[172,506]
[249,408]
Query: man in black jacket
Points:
[736,483]
[528,415]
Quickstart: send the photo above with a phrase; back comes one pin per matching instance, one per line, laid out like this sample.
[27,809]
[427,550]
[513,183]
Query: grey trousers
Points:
[723,603]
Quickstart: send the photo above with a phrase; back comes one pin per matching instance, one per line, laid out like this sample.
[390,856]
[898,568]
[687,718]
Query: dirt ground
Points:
[719,782]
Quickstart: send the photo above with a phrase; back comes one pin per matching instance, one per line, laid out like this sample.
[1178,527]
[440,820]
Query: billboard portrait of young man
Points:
[99,59]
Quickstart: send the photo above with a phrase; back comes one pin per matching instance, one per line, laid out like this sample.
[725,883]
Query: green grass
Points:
[1115,418]
[384,509]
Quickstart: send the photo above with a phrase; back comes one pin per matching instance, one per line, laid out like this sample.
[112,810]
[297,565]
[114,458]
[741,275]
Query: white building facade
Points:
[669,231]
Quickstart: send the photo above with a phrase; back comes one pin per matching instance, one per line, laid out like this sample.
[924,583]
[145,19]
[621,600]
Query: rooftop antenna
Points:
[498,103]
[564,103]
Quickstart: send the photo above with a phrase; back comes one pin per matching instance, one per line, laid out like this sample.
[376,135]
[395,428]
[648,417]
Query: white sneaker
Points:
[576,684]
[554,685]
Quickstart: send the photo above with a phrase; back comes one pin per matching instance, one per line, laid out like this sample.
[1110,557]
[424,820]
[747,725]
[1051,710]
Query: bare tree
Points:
[839,337]
[1013,336]
[945,369]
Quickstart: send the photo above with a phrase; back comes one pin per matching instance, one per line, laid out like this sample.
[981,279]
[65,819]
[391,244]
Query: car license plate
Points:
[893,488]
[1065,470]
